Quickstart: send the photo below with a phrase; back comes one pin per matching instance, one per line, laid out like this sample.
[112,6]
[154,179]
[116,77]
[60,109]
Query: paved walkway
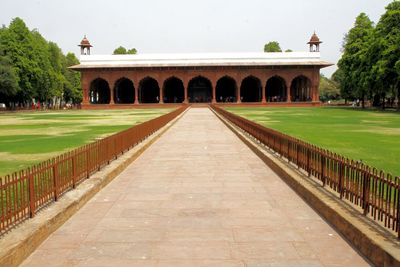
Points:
[197,197]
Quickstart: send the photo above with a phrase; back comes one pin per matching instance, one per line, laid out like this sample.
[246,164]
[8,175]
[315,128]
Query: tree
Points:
[344,89]
[272,47]
[47,80]
[288,50]
[8,79]
[329,90]
[33,68]
[132,51]
[122,51]
[57,66]
[72,87]
[17,44]
[354,64]
[385,52]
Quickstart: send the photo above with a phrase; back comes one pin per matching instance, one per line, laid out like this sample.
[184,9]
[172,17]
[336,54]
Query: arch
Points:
[300,90]
[200,90]
[276,89]
[99,92]
[124,91]
[149,91]
[225,90]
[250,89]
[174,90]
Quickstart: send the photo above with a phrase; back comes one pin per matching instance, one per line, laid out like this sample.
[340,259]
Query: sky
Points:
[184,26]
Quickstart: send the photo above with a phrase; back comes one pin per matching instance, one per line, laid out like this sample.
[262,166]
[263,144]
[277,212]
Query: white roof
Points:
[201,59]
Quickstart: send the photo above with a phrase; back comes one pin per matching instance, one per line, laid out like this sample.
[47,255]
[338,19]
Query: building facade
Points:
[286,78]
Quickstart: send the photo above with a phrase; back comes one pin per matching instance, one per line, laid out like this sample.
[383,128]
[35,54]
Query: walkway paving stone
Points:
[197,197]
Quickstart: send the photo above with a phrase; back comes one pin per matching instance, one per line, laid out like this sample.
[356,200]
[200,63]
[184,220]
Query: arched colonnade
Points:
[200,89]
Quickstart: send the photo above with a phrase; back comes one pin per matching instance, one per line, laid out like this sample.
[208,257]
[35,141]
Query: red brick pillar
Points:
[288,92]
[185,91]
[315,93]
[111,82]
[136,94]
[238,90]
[161,95]
[263,89]
[85,89]
[213,84]
[315,88]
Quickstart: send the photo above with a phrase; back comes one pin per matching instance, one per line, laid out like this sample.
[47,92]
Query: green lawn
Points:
[32,137]
[370,136]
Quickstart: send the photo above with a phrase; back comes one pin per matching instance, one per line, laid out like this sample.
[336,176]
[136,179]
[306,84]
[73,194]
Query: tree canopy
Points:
[353,63]
[385,52]
[272,47]
[8,79]
[328,89]
[370,65]
[32,67]
[123,51]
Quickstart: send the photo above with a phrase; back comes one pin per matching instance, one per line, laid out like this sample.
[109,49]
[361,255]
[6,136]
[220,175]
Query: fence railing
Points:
[23,193]
[377,193]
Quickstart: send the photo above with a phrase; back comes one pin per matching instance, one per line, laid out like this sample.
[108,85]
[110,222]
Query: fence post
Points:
[99,154]
[87,162]
[323,169]
[365,179]
[115,148]
[73,170]
[341,172]
[31,180]
[308,161]
[288,151]
[108,152]
[398,207]
[55,177]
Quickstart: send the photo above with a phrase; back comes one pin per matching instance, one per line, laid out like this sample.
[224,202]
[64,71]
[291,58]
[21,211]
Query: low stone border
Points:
[21,241]
[372,240]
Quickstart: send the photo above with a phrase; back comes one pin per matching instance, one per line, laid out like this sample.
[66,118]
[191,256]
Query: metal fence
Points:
[377,193]
[23,193]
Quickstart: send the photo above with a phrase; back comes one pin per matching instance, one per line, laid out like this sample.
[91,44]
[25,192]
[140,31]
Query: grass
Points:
[32,137]
[370,136]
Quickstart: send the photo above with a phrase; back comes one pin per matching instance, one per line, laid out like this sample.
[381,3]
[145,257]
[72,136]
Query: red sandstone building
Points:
[288,78]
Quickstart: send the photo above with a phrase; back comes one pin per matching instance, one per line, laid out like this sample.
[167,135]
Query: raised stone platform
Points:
[197,197]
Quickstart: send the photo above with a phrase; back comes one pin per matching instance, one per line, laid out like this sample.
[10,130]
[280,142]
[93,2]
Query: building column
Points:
[213,97]
[112,102]
[136,102]
[288,100]
[238,100]
[263,100]
[185,95]
[185,92]
[111,84]
[161,96]
[315,88]
[315,94]
[85,89]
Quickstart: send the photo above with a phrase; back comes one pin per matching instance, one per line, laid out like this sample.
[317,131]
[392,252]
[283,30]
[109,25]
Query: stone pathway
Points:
[197,197]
